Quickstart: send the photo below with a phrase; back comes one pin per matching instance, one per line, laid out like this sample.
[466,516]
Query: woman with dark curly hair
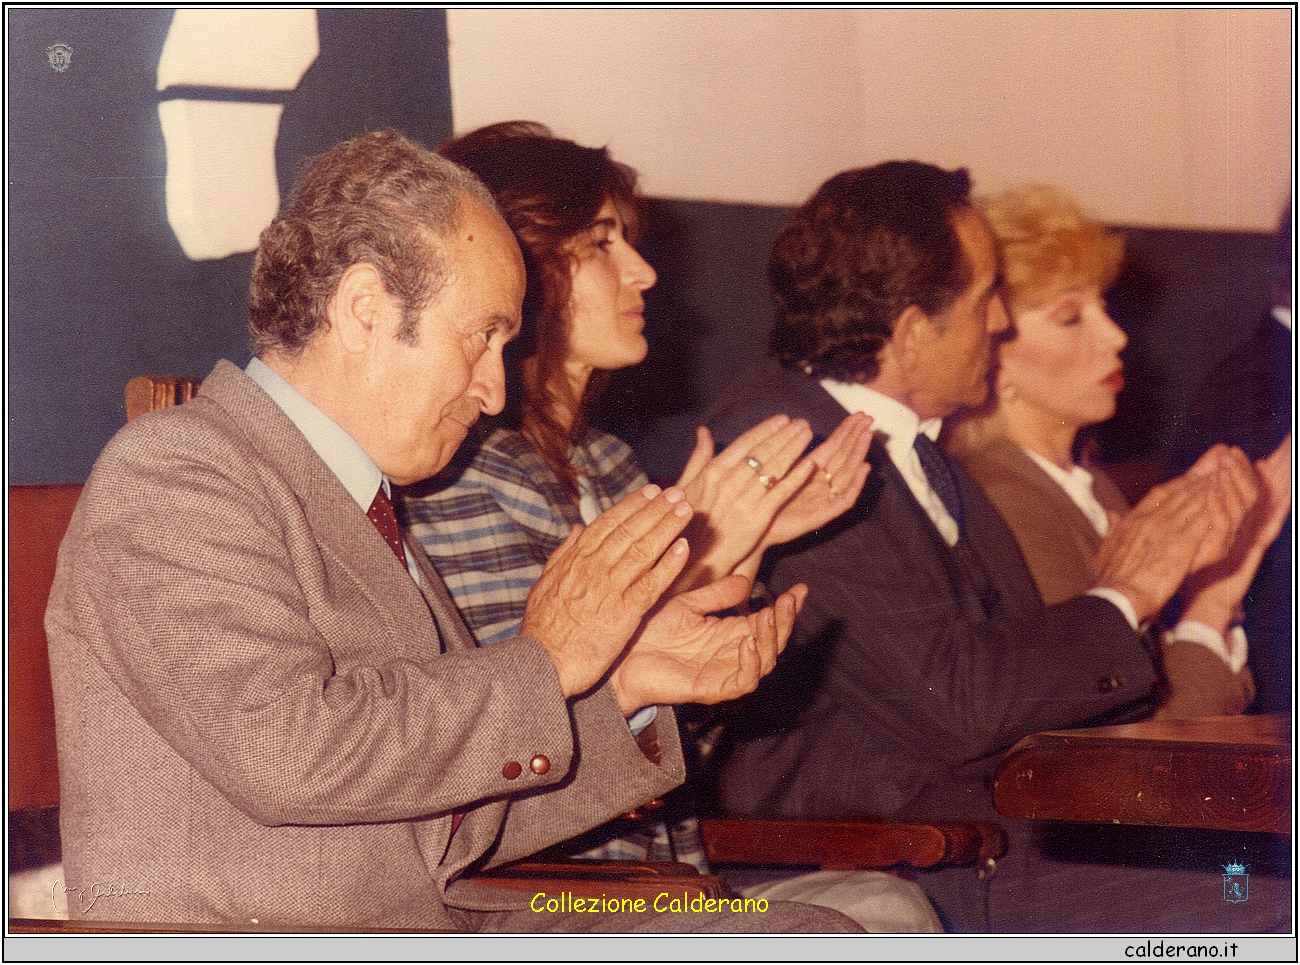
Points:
[490,521]
[544,470]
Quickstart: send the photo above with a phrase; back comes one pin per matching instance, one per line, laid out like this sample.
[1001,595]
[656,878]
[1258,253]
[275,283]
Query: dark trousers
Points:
[1116,879]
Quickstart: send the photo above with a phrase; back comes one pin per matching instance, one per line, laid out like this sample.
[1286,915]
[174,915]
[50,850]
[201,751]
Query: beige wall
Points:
[1169,118]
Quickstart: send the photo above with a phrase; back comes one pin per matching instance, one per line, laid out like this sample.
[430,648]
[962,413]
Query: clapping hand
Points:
[684,655]
[736,493]
[758,493]
[834,486]
[1213,595]
[597,587]
[1234,492]
[1180,527]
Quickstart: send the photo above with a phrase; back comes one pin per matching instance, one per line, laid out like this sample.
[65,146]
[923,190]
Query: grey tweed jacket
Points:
[261,717]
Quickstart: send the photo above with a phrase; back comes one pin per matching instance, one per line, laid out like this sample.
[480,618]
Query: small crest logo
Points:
[60,55]
[1236,883]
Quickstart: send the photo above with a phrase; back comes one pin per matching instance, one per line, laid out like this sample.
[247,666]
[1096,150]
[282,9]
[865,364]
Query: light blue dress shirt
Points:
[338,450]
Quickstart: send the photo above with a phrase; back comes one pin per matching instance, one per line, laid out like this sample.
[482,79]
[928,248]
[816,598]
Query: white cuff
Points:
[1121,601]
[1230,647]
[643,718]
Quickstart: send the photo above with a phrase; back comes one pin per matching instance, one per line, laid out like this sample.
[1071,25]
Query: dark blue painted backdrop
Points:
[99,289]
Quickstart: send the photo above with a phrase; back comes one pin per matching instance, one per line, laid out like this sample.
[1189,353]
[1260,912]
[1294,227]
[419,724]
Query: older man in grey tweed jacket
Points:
[270,712]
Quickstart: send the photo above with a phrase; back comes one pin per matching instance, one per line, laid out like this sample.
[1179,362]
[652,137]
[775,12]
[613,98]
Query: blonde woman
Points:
[1058,372]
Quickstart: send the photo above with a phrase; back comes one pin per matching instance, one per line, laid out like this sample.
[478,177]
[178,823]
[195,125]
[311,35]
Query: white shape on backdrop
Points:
[221,186]
[243,49]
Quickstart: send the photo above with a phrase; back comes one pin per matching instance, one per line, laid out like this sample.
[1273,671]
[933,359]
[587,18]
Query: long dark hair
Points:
[550,190]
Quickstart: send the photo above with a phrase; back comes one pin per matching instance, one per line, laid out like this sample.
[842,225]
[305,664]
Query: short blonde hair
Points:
[1048,244]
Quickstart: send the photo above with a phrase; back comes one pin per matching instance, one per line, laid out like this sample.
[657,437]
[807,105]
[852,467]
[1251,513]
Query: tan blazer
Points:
[1060,545]
[261,717]
[1058,542]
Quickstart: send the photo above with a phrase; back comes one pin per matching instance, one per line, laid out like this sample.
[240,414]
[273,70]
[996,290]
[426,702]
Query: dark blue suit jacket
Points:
[914,666]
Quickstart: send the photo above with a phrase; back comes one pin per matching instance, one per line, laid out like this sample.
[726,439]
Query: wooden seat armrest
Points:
[849,844]
[971,841]
[38,519]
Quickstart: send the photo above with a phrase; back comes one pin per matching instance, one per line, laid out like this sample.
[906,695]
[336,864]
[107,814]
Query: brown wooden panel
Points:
[828,844]
[148,393]
[187,387]
[972,841]
[1230,773]
[139,396]
[38,518]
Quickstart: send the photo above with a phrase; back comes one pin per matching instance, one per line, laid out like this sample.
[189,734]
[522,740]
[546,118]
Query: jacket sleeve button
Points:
[511,771]
[540,764]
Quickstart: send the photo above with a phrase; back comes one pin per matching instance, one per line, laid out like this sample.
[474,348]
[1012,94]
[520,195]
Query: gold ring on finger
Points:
[767,481]
[755,465]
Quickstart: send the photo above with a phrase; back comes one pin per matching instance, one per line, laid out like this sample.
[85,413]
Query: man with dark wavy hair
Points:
[923,651]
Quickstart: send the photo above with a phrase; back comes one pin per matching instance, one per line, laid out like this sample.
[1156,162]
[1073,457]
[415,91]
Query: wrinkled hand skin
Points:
[1234,492]
[1179,528]
[1213,595]
[738,517]
[598,585]
[684,655]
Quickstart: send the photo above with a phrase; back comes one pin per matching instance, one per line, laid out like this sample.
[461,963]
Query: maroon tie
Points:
[385,520]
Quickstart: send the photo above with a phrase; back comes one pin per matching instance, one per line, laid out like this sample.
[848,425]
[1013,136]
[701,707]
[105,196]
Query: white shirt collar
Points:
[1077,483]
[338,450]
[897,426]
[891,421]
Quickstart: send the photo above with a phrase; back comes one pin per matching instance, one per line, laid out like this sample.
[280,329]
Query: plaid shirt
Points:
[490,521]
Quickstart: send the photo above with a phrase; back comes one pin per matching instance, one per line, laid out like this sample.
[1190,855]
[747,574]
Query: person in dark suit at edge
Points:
[923,651]
[1246,401]
[268,708]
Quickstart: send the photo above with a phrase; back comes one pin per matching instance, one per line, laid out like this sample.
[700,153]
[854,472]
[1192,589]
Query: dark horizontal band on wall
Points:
[234,94]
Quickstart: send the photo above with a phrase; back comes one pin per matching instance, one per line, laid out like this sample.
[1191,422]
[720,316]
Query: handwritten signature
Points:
[90,894]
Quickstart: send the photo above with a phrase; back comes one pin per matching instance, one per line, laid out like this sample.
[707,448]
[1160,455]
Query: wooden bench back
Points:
[38,518]
[145,393]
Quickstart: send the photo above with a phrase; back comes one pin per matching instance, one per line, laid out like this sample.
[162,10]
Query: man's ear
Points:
[361,307]
[913,329]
